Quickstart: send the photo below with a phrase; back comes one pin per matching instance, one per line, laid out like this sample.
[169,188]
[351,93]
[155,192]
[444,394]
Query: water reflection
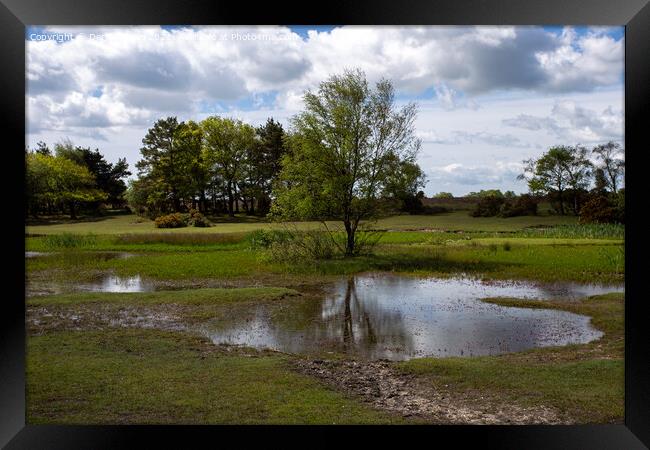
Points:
[77,256]
[112,283]
[396,317]
[107,283]
[35,254]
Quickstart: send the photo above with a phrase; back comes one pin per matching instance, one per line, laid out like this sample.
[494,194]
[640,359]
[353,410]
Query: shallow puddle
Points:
[35,254]
[106,283]
[386,316]
[112,283]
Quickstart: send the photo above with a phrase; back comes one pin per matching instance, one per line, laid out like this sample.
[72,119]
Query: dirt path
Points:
[380,385]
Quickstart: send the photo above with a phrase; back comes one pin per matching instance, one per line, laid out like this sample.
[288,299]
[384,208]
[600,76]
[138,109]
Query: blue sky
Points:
[488,96]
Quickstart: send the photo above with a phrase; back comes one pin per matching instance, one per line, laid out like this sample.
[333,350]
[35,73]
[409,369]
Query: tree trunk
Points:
[202,203]
[176,202]
[349,247]
[231,212]
[73,214]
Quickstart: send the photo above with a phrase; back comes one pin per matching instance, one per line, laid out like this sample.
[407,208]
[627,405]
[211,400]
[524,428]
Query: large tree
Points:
[342,152]
[226,144]
[163,159]
[195,176]
[58,182]
[612,162]
[265,161]
[108,177]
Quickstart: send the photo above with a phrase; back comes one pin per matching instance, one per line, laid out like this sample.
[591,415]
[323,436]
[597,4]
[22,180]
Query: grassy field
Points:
[453,221]
[88,359]
[123,376]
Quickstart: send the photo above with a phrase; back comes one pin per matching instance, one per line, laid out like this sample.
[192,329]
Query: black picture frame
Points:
[634,14]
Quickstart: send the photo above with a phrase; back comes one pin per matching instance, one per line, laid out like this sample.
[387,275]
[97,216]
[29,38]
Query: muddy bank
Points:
[379,384]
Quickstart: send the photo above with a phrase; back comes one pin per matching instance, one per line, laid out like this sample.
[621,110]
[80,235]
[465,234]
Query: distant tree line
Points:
[493,202]
[574,184]
[72,178]
[572,179]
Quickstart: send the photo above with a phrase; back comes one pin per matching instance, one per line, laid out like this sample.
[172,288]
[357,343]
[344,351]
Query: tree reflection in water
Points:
[389,316]
[359,325]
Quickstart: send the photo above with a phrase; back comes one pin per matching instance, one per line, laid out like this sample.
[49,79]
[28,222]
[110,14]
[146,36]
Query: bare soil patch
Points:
[383,387]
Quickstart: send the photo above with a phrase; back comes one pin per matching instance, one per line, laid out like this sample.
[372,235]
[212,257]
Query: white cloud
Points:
[488,96]
[207,64]
[472,177]
[571,122]
[583,63]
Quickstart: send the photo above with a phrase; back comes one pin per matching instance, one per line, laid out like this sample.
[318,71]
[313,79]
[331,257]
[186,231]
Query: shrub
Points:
[599,209]
[174,220]
[487,206]
[197,219]
[434,209]
[303,246]
[620,206]
[366,240]
[265,238]
[523,205]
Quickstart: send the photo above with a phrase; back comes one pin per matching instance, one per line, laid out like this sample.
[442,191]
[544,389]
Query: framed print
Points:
[375,217]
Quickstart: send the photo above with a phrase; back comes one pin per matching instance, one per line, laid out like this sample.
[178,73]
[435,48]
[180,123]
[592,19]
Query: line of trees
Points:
[573,179]
[564,175]
[218,165]
[72,178]
[349,156]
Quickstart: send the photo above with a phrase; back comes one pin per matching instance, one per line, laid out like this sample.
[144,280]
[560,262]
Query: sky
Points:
[488,97]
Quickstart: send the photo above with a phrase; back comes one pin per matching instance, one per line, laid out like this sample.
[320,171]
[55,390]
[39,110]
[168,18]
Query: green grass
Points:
[546,260]
[588,231]
[584,382]
[458,220]
[589,391]
[140,376]
[134,242]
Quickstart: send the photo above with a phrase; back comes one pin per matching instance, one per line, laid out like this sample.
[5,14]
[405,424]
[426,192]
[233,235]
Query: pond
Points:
[387,316]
